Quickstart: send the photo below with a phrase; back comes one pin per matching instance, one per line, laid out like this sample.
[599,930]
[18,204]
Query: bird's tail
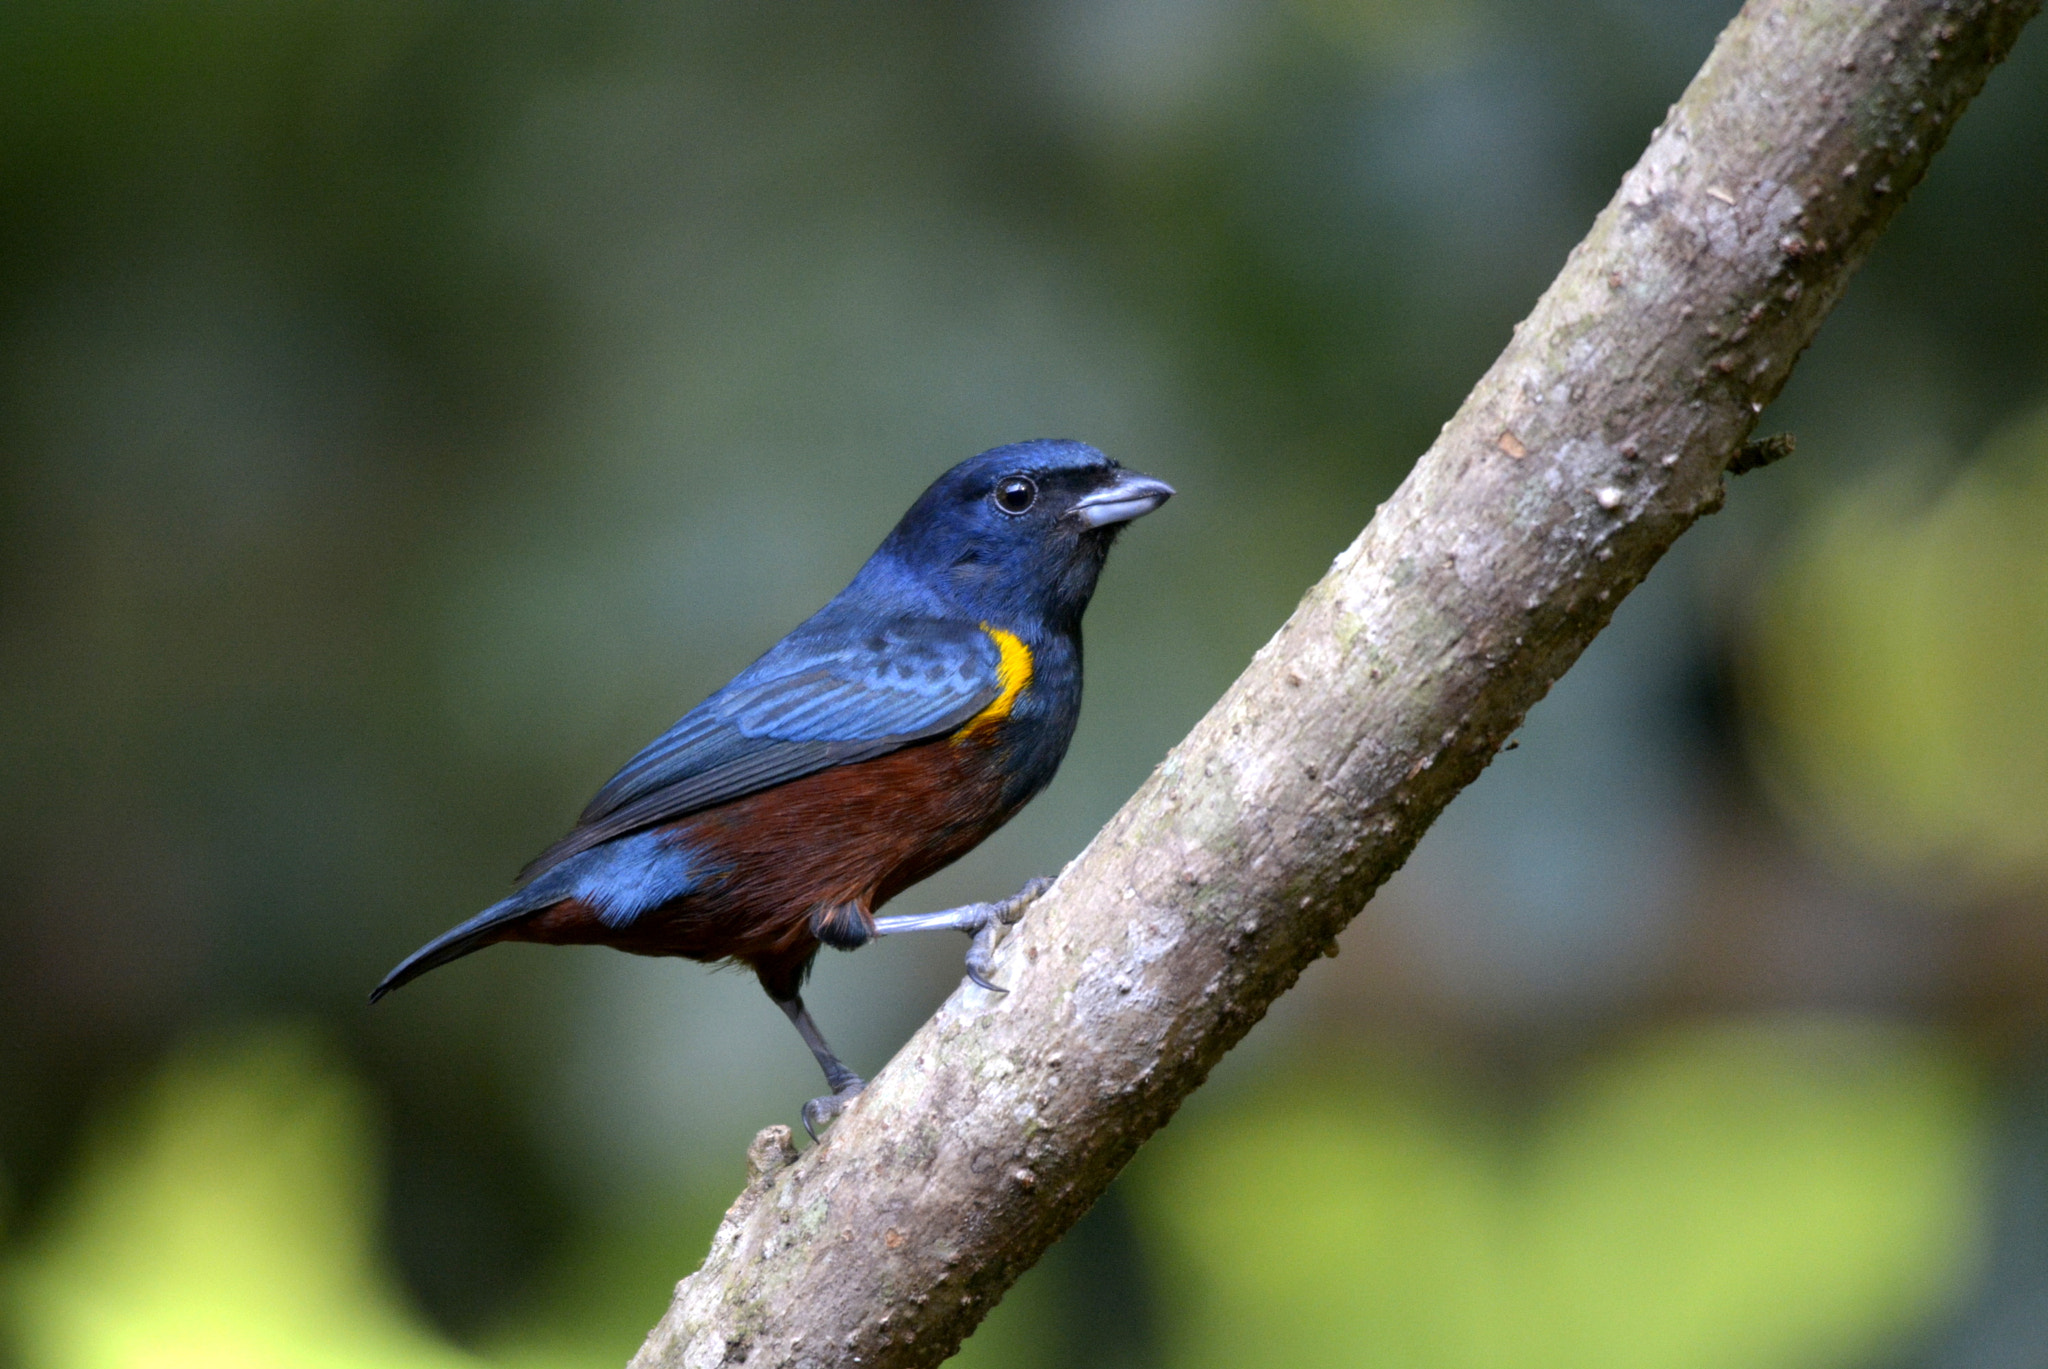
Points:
[475,934]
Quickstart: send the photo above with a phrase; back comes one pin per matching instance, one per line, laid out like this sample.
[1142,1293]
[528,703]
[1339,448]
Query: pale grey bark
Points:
[1596,439]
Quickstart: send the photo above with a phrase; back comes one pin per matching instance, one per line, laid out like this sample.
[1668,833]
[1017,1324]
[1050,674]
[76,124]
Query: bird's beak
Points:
[1132,496]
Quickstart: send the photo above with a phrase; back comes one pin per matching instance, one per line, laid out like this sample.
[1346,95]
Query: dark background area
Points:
[408,410]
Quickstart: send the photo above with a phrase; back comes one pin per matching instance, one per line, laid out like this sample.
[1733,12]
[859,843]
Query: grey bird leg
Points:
[984,921]
[844,1083]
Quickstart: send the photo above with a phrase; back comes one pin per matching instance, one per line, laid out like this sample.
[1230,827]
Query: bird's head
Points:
[1020,532]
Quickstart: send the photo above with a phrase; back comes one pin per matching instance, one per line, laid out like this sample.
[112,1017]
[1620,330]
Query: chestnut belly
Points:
[847,839]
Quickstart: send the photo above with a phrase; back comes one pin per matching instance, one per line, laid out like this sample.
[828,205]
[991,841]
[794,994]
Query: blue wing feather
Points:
[833,692]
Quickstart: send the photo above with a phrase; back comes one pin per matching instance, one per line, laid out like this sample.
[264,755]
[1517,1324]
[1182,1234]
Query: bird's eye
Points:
[1016,493]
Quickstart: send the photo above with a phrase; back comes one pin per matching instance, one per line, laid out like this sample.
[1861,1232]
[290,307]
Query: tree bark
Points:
[1597,438]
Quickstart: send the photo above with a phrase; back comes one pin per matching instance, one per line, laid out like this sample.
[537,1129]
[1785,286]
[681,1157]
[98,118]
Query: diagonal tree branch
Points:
[1596,439]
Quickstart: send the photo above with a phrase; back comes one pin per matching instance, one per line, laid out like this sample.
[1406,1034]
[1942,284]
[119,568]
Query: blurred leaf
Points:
[1344,1216]
[1386,34]
[1768,1195]
[1021,1332]
[1776,1193]
[1898,668]
[615,1281]
[224,1223]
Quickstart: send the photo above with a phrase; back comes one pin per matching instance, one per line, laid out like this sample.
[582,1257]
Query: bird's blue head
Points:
[1019,533]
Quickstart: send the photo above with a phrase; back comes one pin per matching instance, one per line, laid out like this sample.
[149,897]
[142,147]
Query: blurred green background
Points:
[407,410]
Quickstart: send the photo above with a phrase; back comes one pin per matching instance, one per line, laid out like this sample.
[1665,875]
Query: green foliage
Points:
[224,1222]
[1769,1194]
[1899,668]
[226,1219]
[1773,1194]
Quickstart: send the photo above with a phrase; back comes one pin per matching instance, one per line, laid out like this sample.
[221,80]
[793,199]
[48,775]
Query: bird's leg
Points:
[844,1083]
[984,921]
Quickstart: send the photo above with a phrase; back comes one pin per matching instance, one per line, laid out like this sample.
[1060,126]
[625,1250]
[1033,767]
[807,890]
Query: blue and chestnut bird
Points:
[876,744]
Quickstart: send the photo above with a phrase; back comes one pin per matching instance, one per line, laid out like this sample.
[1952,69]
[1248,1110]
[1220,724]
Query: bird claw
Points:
[821,1113]
[980,959]
[996,916]
[1012,908]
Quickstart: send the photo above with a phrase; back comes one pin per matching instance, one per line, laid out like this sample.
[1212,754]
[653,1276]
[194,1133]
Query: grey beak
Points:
[1132,496]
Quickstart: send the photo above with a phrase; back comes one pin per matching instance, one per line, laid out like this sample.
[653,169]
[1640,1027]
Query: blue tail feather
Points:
[619,880]
[472,935]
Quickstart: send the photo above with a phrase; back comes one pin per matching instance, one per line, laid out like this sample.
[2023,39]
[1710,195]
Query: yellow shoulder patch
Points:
[1013,672]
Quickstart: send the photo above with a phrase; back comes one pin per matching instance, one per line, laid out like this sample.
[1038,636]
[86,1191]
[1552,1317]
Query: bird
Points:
[878,742]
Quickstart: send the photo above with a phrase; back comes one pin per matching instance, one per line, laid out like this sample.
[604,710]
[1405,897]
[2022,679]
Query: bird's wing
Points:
[828,694]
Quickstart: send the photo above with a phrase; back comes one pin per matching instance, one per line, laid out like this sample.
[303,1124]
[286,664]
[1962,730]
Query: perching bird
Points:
[877,743]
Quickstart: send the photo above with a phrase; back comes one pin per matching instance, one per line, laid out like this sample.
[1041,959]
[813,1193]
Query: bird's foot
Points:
[821,1113]
[996,916]
[984,921]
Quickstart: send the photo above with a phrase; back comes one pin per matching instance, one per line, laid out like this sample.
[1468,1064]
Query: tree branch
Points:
[1596,439]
